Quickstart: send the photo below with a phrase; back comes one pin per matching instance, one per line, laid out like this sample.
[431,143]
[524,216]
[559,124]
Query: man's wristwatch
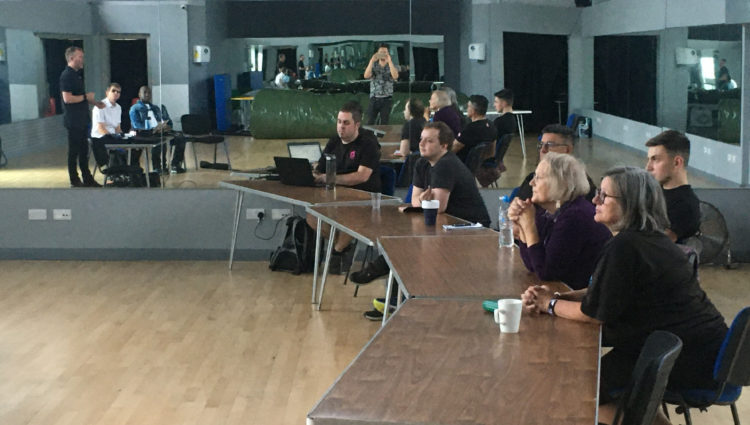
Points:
[552,302]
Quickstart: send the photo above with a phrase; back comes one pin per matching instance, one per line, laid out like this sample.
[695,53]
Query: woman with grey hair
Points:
[642,282]
[440,104]
[555,228]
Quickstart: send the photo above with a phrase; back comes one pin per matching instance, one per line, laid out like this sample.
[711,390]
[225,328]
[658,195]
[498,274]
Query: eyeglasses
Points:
[549,145]
[602,196]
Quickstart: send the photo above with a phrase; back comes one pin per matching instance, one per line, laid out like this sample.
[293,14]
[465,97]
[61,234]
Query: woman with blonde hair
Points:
[555,229]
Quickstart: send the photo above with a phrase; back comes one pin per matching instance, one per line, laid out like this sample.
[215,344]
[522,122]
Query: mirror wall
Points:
[152,43]
[684,78]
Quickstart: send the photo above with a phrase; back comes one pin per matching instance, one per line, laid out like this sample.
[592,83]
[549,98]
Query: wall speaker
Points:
[476,51]
[201,54]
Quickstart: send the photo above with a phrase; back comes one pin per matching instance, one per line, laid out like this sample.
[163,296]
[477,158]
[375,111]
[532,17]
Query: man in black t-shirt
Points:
[76,103]
[357,165]
[440,175]
[479,130]
[559,139]
[668,155]
[506,122]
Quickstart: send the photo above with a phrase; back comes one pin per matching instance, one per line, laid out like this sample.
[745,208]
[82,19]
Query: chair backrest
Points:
[387,180]
[195,124]
[474,158]
[502,148]
[733,362]
[640,402]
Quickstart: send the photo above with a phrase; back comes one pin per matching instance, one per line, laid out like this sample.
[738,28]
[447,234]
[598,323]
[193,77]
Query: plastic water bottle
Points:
[505,239]
[330,171]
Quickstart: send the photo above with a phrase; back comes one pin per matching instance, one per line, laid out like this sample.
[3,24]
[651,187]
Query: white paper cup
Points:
[508,315]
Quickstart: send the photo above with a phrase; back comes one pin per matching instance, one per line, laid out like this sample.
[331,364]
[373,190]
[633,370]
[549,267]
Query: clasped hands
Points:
[536,298]
[522,214]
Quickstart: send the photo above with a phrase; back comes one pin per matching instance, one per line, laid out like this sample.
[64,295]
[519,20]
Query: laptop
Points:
[295,171]
[308,150]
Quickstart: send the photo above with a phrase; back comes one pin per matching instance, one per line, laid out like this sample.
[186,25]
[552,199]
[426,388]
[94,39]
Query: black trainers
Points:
[373,315]
[176,169]
[91,183]
[372,271]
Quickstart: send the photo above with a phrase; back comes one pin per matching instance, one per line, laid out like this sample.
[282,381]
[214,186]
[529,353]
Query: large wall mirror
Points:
[154,43]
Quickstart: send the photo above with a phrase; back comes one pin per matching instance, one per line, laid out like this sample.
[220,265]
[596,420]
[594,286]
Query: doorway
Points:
[55,64]
[426,67]
[536,69]
[128,64]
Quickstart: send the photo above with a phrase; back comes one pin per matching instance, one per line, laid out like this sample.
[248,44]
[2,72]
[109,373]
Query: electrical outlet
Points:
[252,213]
[281,213]
[62,214]
[37,214]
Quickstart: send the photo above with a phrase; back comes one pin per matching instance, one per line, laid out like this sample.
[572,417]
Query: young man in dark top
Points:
[440,175]
[506,122]
[555,138]
[382,73]
[77,101]
[357,165]
[412,128]
[477,131]
[668,155]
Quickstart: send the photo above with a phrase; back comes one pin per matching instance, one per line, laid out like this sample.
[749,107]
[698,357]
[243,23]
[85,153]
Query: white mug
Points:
[508,314]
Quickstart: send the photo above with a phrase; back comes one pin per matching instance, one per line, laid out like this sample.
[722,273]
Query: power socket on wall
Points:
[62,214]
[252,213]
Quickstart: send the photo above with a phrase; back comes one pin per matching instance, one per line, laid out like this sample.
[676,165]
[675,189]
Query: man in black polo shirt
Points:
[77,119]
[479,130]
[357,165]
[668,155]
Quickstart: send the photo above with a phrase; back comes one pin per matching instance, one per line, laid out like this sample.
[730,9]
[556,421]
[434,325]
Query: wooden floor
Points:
[49,169]
[191,343]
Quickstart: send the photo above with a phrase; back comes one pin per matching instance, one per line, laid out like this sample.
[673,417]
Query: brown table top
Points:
[368,225]
[472,266]
[300,195]
[446,362]
[386,154]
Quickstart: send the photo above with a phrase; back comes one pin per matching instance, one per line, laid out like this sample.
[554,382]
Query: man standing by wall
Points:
[77,102]
[382,73]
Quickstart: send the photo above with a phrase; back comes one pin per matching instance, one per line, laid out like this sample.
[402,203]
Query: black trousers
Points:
[379,106]
[178,144]
[78,154]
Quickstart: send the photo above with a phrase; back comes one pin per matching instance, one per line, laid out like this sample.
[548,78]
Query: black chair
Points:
[197,129]
[731,371]
[476,155]
[501,148]
[640,401]
[387,180]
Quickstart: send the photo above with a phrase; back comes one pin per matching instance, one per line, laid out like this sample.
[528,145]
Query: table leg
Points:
[331,239]
[387,296]
[519,121]
[237,214]
[317,260]
[148,169]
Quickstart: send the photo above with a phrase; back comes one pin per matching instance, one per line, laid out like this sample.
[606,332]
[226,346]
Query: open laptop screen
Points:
[308,150]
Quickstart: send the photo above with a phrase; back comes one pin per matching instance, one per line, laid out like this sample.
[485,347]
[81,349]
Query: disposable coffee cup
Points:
[508,315]
[430,209]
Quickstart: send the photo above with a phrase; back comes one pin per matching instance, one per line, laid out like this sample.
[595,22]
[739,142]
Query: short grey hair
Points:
[451,94]
[641,199]
[443,99]
[567,177]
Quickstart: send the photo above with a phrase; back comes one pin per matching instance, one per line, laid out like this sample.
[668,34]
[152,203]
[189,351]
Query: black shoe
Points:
[176,169]
[76,183]
[341,261]
[373,315]
[91,183]
[372,271]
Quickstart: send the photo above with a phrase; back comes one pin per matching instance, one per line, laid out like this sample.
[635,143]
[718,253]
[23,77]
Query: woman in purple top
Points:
[555,229]
[440,103]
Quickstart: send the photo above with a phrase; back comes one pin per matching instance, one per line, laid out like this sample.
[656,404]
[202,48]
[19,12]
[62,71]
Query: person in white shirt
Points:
[105,125]
[282,79]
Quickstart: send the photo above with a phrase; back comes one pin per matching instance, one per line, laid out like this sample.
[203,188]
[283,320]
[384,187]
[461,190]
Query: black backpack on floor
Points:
[297,253]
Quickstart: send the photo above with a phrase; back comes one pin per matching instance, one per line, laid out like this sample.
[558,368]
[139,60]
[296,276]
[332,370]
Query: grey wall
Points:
[47,16]
[672,80]
[486,22]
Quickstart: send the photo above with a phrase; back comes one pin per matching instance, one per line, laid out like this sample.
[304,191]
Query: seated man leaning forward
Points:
[357,155]
[562,241]
[147,118]
[668,155]
[439,175]
[642,282]
[479,130]
[105,127]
